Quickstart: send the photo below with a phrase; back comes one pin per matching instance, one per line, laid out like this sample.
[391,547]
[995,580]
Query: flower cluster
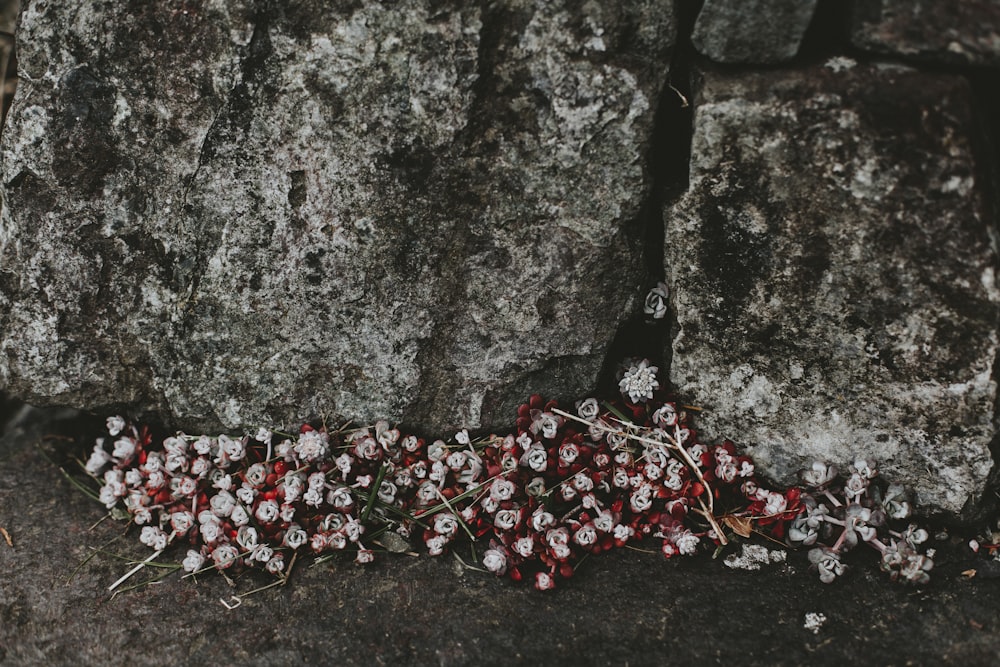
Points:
[562,486]
[842,511]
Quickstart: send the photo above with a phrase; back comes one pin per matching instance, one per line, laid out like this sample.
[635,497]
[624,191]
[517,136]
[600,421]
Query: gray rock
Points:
[948,32]
[237,213]
[833,274]
[752,31]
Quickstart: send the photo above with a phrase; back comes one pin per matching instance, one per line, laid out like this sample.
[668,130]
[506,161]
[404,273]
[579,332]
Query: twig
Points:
[135,569]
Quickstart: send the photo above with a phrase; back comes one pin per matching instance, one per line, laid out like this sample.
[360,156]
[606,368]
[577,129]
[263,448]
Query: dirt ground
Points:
[625,608]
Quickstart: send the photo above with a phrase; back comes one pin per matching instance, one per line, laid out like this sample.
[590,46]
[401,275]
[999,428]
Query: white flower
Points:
[287,513]
[133,477]
[98,458]
[455,460]
[568,453]
[365,556]
[262,553]
[536,487]
[230,450]
[411,443]
[437,450]
[436,545]
[340,498]
[586,536]
[267,511]
[541,520]
[247,537]
[224,556]
[462,437]
[582,482]
[387,437]
[194,561]
[200,467]
[210,531]
[115,425]
[639,382]
[535,457]
[292,487]
[221,480]
[154,538]
[124,449]
[588,409]
[246,494]
[445,524]
[222,503]
[263,435]
[175,445]
[604,521]
[641,498]
[495,561]
[285,450]
[181,522]
[687,543]
[344,464]
[203,445]
[656,301]
[507,519]
[620,478]
[524,546]
[623,532]
[490,504]
[387,492]
[295,537]
[665,416]
[276,564]
[256,474]
[239,517]
[502,489]
[776,504]
[312,446]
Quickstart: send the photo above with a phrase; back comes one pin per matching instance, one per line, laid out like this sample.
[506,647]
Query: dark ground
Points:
[625,608]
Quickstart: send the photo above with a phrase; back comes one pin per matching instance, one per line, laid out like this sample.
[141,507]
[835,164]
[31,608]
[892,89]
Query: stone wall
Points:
[234,212]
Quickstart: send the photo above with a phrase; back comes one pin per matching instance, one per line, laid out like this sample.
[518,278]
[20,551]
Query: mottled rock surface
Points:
[752,31]
[240,212]
[834,274]
[964,33]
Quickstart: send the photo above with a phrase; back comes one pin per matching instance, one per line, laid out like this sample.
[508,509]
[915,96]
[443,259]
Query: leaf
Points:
[741,525]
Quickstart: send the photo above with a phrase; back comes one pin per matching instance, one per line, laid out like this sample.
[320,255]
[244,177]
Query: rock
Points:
[963,33]
[236,213]
[833,274]
[752,31]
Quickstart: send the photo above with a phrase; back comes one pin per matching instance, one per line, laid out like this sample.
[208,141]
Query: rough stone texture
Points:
[624,607]
[241,212]
[834,274]
[964,33]
[752,31]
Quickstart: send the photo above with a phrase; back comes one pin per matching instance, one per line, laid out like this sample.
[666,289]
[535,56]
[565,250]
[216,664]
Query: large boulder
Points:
[752,31]
[963,33]
[239,212]
[833,274]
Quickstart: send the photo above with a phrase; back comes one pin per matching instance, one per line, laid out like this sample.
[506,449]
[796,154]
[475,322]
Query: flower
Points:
[818,476]
[181,522]
[639,382]
[312,446]
[895,503]
[276,564]
[267,511]
[98,458]
[225,556]
[544,581]
[507,519]
[503,489]
[115,425]
[827,562]
[124,449]
[263,435]
[495,561]
[535,457]
[445,524]
[656,301]
[193,561]
[295,537]
[154,538]
[365,556]
[568,453]
[588,409]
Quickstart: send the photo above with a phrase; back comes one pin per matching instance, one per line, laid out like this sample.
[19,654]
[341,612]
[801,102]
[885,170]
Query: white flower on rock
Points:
[656,301]
[639,382]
